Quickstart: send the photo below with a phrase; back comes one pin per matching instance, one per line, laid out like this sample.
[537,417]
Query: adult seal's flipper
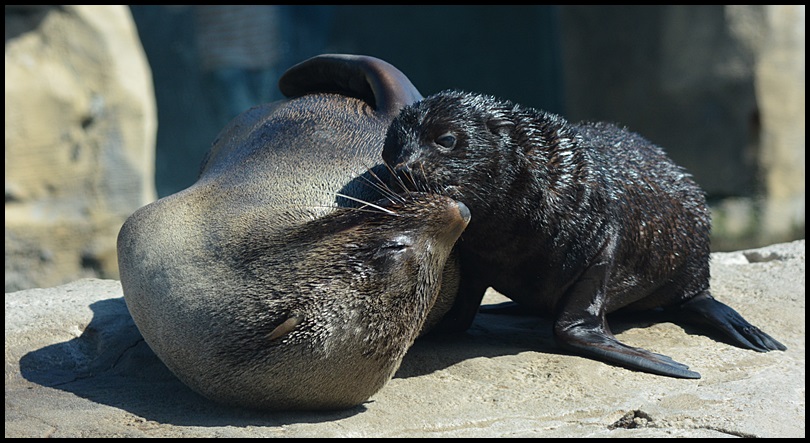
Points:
[370,79]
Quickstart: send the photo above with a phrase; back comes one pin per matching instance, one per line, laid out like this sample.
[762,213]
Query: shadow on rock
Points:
[21,19]
[498,330]
[508,329]
[111,364]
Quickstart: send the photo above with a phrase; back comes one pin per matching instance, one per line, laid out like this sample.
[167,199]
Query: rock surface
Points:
[76,366]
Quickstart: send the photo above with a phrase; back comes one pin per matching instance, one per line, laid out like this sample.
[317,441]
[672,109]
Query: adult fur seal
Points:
[577,220]
[266,284]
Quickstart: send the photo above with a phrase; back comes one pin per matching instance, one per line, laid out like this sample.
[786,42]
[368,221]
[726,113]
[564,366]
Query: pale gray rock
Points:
[80,124]
[76,366]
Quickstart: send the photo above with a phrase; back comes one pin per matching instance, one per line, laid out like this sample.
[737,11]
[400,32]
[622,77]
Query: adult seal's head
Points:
[269,283]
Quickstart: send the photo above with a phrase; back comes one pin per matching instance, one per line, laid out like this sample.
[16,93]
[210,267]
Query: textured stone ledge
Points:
[77,367]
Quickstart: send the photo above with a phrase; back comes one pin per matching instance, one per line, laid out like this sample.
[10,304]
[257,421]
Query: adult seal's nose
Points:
[464,211]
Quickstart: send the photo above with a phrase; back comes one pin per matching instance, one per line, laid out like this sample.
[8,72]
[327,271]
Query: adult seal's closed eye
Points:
[577,220]
[269,283]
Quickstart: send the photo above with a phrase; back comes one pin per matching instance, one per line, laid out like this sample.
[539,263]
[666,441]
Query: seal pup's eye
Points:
[447,141]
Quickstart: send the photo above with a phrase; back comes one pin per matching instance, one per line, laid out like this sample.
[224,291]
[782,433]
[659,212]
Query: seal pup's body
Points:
[266,284]
[575,220]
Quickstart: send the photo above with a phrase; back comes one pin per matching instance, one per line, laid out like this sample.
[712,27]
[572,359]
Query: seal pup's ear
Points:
[378,83]
[500,124]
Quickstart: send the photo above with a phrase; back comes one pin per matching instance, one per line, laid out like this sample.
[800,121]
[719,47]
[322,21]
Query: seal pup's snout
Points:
[402,153]
[409,177]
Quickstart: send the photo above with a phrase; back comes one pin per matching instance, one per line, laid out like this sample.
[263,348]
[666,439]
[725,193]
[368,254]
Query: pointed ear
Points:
[500,125]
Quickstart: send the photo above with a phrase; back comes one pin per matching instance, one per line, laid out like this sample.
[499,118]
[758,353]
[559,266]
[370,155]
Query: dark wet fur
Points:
[578,220]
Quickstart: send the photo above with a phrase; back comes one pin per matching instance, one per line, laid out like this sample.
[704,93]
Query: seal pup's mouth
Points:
[410,181]
[455,192]
[414,177]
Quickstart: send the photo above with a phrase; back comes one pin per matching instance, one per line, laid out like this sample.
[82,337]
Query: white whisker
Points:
[366,203]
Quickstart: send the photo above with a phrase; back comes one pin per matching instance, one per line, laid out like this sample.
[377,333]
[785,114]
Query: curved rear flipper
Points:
[705,310]
[370,79]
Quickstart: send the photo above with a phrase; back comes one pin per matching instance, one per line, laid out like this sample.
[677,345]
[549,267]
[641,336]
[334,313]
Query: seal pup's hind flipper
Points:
[706,310]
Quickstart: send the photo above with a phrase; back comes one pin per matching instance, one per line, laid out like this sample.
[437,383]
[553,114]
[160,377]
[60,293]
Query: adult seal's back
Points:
[576,220]
[269,283]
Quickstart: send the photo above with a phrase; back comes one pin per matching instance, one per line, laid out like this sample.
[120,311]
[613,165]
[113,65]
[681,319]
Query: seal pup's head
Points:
[472,146]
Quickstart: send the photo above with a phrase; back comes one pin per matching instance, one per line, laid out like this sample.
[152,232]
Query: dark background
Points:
[658,70]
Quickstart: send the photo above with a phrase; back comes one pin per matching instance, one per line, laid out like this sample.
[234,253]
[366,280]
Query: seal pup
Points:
[575,220]
[270,282]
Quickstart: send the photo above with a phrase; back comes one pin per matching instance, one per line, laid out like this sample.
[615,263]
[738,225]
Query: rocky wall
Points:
[80,124]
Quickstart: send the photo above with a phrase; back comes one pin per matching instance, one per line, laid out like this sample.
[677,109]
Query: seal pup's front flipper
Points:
[581,326]
[706,310]
[600,344]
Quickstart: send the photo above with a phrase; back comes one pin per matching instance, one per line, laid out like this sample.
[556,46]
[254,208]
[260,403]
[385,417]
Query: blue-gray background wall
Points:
[686,77]
[721,88]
